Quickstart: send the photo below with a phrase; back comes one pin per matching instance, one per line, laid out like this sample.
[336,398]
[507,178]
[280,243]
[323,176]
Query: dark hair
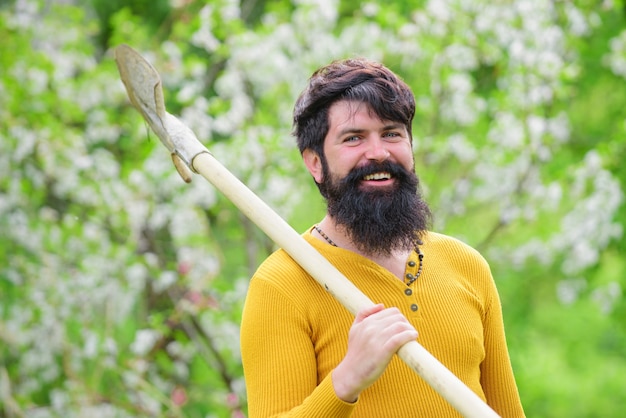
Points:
[359,80]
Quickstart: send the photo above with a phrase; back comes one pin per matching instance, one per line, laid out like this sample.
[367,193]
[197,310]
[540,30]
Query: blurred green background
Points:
[121,287]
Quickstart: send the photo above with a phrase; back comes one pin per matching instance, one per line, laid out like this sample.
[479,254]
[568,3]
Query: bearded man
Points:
[303,354]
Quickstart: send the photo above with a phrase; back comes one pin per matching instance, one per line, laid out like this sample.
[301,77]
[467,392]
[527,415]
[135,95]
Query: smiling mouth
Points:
[378,176]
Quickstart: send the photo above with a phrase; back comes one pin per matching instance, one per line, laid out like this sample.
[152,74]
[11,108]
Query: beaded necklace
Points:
[420,255]
[328,240]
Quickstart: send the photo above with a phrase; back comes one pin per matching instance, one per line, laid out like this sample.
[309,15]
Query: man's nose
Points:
[377,149]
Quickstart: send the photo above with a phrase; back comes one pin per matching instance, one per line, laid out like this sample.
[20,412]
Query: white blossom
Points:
[144,341]
[203,37]
[568,291]
[616,58]
[607,296]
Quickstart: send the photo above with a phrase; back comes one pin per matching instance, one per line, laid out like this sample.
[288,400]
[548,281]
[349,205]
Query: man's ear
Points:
[313,163]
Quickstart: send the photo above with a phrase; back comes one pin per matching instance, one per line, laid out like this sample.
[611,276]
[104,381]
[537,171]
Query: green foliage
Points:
[121,287]
[153,15]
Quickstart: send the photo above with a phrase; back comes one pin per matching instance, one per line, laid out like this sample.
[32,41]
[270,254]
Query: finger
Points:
[397,340]
[389,316]
[369,311]
[394,326]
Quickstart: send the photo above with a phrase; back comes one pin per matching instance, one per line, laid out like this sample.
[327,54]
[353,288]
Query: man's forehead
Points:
[346,112]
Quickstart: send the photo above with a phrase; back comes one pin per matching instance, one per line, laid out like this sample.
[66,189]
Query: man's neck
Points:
[337,235]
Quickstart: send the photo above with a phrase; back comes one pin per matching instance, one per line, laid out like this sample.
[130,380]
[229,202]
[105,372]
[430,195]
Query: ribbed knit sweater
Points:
[294,333]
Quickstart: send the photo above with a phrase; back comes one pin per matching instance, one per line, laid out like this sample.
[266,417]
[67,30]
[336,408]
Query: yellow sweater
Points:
[294,333]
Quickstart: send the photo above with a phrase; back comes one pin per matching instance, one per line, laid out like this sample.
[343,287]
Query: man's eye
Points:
[391,134]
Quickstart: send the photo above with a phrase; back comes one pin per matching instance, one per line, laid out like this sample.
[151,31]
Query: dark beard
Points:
[378,220]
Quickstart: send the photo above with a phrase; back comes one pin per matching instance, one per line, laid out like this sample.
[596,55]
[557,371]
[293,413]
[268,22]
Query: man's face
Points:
[368,179]
[357,137]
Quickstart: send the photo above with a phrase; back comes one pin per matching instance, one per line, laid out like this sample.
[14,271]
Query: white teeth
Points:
[378,176]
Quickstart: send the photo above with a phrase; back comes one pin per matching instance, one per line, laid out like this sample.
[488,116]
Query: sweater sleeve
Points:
[497,377]
[279,360]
